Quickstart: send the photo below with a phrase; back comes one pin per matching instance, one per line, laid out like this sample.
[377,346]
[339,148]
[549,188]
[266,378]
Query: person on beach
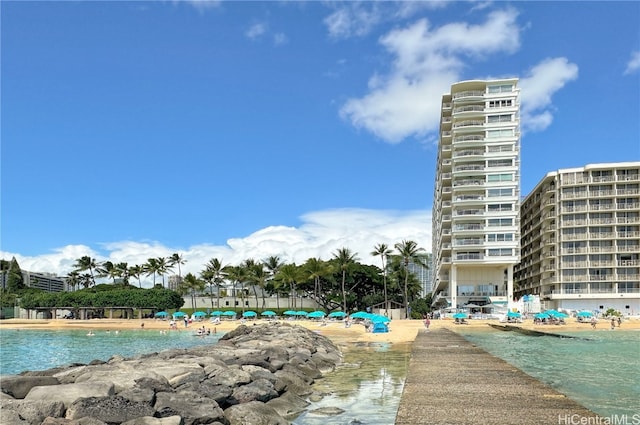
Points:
[593,322]
[619,321]
[613,324]
[427,323]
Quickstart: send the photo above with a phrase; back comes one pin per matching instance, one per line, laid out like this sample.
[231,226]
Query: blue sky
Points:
[241,130]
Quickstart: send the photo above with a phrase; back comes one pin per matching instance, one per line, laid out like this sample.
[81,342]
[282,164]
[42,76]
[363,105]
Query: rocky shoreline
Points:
[261,374]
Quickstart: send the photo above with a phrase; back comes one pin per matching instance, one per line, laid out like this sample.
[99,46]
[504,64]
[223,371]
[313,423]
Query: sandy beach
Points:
[401,331]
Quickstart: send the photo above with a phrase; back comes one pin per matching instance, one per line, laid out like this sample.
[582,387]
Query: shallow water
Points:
[601,370]
[368,386]
[40,350]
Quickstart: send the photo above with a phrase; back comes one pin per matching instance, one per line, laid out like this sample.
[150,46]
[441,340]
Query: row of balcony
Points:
[599,193]
[601,207]
[598,249]
[591,221]
[601,179]
[599,235]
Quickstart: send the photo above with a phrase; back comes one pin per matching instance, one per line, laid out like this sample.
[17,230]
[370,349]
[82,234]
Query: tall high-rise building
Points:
[477,194]
[581,239]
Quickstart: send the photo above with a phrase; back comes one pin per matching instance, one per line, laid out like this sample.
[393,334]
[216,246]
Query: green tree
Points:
[122,271]
[289,275]
[409,252]
[316,269]
[238,276]
[87,264]
[214,274]
[73,279]
[345,259]
[15,281]
[176,260]
[136,271]
[273,265]
[191,285]
[383,251]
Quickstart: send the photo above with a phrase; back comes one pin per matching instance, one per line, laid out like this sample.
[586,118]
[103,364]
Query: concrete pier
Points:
[451,381]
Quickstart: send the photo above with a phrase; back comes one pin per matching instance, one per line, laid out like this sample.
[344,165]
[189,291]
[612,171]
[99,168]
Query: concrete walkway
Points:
[452,381]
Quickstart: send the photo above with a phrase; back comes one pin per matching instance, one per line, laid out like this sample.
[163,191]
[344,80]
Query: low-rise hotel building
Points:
[580,238]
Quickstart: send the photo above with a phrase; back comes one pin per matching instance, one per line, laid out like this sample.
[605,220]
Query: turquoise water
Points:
[40,350]
[602,373]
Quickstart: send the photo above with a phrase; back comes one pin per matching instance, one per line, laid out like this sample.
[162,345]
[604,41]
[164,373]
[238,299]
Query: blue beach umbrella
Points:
[377,318]
[249,314]
[161,314]
[360,315]
[289,313]
[301,313]
[216,313]
[179,314]
[541,316]
[229,313]
[584,314]
[460,316]
[199,314]
[337,314]
[513,314]
[316,314]
[268,313]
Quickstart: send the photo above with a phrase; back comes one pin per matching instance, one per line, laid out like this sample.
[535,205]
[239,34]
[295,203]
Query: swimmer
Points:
[90,333]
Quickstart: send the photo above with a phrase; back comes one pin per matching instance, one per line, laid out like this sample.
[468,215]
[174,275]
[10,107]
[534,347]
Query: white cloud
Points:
[406,101]
[320,235]
[256,31]
[537,88]
[280,39]
[634,63]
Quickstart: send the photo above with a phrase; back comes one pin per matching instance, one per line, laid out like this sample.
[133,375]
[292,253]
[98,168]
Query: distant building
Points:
[477,194]
[174,281]
[46,281]
[422,273]
[580,237]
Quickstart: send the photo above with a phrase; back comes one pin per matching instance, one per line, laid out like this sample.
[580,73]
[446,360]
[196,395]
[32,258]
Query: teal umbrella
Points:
[161,314]
[179,314]
[301,313]
[216,313]
[249,314]
[377,318]
[584,314]
[337,314]
[360,315]
[268,313]
[460,316]
[316,314]
[541,316]
[289,313]
[229,313]
[513,314]
[199,314]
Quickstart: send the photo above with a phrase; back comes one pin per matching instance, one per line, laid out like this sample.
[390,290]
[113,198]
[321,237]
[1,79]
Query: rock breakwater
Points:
[258,375]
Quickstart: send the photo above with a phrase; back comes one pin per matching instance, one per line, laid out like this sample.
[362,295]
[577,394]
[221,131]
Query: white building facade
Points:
[475,224]
[581,239]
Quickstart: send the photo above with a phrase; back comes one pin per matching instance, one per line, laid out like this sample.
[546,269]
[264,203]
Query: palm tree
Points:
[136,271]
[315,269]
[73,279]
[214,274]
[177,259]
[383,251]
[408,252]
[163,268]
[273,265]
[237,275]
[123,272]
[191,285]
[87,263]
[345,259]
[107,269]
[289,274]
[151,268]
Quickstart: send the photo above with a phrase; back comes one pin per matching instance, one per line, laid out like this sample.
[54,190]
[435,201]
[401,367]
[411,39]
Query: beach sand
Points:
[401,331]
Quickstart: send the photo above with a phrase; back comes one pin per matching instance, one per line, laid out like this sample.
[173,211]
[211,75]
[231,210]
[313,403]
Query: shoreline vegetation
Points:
[400,331]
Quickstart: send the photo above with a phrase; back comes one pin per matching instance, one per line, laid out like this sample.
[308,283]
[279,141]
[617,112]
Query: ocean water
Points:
[22,350]
[601,370]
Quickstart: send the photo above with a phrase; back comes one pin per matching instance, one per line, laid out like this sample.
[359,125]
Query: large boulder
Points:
[254,375]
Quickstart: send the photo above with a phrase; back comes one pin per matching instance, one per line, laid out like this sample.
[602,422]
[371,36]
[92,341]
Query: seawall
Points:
[452,381]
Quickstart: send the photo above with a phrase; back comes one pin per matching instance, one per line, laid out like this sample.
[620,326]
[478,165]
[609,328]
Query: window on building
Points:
[500,88]
[500,222]
[500,148]
[500,237]
[501,252]
[499,192]
[507,177]
[504,103]
[499,118]
[499,163]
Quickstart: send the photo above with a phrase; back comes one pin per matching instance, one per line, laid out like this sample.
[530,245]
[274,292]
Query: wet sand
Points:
[401,331]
